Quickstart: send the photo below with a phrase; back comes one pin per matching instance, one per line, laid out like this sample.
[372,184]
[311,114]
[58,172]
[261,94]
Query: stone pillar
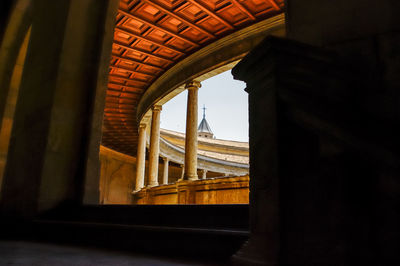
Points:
[154,146]
[141,158]
[165,174]
[263,245]
[191,132]
[203,174]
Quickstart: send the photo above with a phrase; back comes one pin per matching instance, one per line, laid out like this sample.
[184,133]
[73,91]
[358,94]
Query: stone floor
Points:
[43,254]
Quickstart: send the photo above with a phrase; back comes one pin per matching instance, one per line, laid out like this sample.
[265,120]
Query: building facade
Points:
[323,110]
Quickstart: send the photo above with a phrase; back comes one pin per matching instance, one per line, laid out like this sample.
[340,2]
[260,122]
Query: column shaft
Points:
[183,171]
[154,146]
[165,174]
[204,174]
[141,158]
[191,132]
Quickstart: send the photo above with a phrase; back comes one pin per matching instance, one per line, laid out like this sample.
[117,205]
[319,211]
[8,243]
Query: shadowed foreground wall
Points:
[118,173]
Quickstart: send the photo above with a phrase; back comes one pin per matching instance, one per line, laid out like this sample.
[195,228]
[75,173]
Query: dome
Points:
[204,129]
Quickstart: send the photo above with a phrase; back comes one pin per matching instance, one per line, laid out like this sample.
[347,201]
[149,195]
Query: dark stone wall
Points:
[324,160]
[60,96]
[324,22]
[367,34]
[5,7]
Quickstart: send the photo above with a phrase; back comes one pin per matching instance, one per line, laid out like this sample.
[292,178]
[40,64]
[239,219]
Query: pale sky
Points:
[227,108]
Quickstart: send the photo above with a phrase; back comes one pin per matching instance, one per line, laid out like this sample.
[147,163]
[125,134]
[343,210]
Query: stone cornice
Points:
[177,154]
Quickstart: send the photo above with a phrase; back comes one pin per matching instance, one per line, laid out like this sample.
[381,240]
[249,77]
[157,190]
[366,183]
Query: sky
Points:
[226,113]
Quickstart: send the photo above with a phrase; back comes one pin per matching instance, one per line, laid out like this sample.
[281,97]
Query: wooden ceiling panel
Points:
[122,73]
[195,35]
[258,7]
[136,55]
[168,53]
[233,15]
[148,69]
[122,37]
[158,36]
[116,79]
[127,95]
[181,45]
[145,46]
[173,24]
[124,64]
[130,90]
[142,77]
[214,5]
[170,4]
[115,87]
[192,12]
[134,25]
[116,49]
[136,83]
[128,4]
[149,12]
[153,35]
[158,62]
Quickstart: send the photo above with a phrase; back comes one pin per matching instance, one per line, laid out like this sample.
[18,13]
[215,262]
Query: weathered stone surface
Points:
[54,107]
[117,177]
[306,195]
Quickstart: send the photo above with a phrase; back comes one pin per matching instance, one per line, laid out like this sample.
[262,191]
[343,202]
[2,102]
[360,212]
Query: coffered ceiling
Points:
[153,35]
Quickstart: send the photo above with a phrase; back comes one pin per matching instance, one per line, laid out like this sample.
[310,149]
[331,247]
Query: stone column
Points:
[141,158]
[165,174]
[154,146]
[203,174]
[191,132]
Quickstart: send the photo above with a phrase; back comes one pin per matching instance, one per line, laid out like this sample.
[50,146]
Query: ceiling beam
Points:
[125,117]
[118,111]
[129,93]
[211,13]
[137,62]
[143,52]
[119,106]
[131,78]
[157,27]
[127,79]
[133,70]
[127,86]
[134,35]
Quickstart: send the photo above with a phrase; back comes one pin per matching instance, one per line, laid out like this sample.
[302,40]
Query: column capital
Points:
[156,108]
[193,85]
[165,159]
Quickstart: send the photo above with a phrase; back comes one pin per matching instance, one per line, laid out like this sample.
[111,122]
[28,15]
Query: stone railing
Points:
[223,190]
